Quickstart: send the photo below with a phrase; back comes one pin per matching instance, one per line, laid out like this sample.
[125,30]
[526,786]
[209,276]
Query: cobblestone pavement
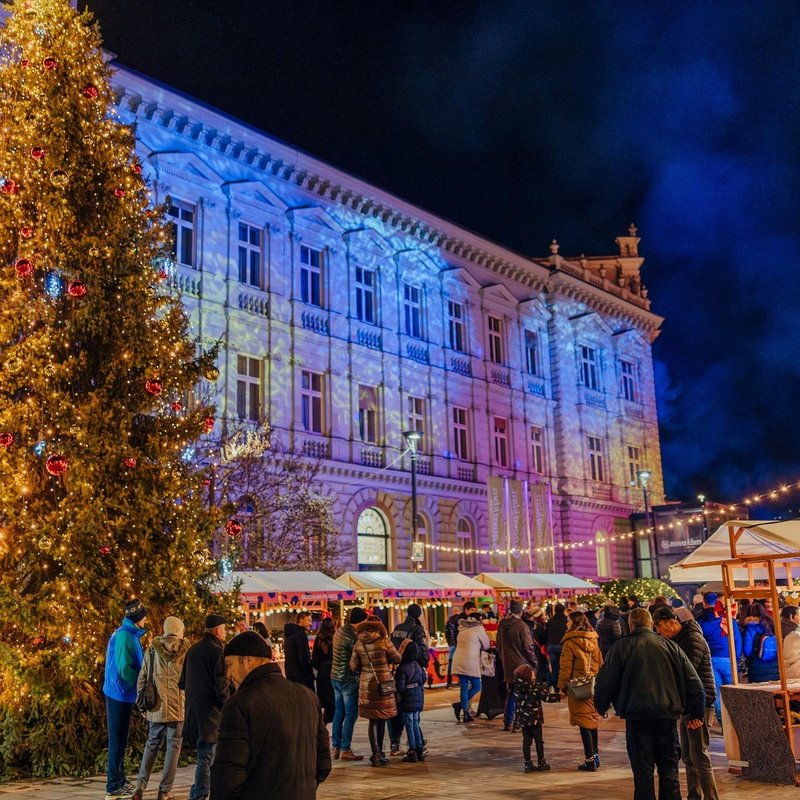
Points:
[479,757]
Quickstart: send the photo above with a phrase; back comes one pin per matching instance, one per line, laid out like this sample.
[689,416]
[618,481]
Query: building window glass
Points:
[365,295]
[368,414]
[461,433]
[412,310]
[248,388]
[465,542]
[501,441]
[422,538]
[455,312]
[311,276]
[589,372]
[311,394]
[537,449]
[602,555]
[628,380]
[416,420]
[596,465]
[182,217]
[250,255]
[495,325]
[372,532]
[532,353]
[634,464]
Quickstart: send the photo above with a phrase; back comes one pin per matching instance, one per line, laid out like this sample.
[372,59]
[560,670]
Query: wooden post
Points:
[729,584]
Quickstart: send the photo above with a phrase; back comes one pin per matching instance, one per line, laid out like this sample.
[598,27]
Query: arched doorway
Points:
[372,531]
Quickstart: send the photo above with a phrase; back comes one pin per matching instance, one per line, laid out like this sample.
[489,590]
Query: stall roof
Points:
[414,584]
[758,538]
[539,582]
[287,587]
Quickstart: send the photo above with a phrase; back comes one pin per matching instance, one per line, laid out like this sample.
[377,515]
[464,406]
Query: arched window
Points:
[465,542]
[372,531]
[602,554]
[423,536]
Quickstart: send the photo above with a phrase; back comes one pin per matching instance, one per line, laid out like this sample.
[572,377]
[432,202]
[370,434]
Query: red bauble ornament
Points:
[206,482]
[208,424]
[50,63]
[37,152]
[136,169]
[26,231]
[129,462]
[57,465]
[233,528]
[9,187]
[76,289]
[104,550]
[25,62]
[24,267]
[119,192]
[162,275]
[90,91]
[6,439]
[153,386]
[176,406]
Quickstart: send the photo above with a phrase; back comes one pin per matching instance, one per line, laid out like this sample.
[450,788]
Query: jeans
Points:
[554,652]
[530,734]
[202,773]
[700,783]
[173,732]
[450,664]
[511,704]
[723,673]
[413,732]
[653,743]
[345,694]
[118,716]
[470,685]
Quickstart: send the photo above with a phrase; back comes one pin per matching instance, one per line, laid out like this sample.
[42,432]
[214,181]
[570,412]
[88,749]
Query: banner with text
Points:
[497,519]
[516,520]
[542,526]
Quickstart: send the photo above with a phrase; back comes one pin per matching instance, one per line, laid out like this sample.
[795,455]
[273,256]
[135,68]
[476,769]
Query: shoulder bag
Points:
[582,688]
[385,688]
[147,699]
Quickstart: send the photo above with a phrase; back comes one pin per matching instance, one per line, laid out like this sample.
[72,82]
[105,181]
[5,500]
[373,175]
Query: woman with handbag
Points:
[373,654]
[581,660]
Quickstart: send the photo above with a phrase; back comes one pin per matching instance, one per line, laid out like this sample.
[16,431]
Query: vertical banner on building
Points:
[528,542]
[497,519]
[542,527]
[516,521]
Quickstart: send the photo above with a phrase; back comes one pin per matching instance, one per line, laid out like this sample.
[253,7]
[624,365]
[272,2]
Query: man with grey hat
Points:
[205,681]
[514,648]
[273,743]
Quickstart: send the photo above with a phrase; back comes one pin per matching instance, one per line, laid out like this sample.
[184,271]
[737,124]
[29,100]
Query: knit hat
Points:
[248,643]
[409,653]
[683,614]
[515,607]
[135,611]
[173,627]
[214,620]
[357,615]
[661,613]
[710,598]
[415,611]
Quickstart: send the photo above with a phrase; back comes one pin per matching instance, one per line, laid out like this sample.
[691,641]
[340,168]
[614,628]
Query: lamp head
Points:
[701,498]
[644,476]
[412,439]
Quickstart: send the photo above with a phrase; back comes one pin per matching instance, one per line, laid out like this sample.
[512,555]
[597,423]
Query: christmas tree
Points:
[100,500]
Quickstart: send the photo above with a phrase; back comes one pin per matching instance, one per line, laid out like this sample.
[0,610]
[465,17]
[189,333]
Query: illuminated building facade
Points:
[348,316]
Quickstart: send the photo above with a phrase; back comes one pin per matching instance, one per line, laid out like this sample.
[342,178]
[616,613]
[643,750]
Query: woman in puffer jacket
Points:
[759,646]
[472,639]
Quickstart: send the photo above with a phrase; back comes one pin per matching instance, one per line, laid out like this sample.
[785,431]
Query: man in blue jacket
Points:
[123,662]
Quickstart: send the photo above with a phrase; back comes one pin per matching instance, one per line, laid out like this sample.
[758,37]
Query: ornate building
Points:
[348,315]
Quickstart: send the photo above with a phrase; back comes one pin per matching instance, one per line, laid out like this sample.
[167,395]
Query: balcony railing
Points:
[602,491]
[186,281]
[463,366]
[254,304]
[370,339]
[314,322]
[536,386]
[418,353]
[423,465]
[372,457]
[316,448]
[631,409]
[592,397]
[501,376]
[466,472]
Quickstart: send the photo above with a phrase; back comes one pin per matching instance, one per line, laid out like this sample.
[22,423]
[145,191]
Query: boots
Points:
[410,757]
[420,754]
[467,716]
[457,711]
[588,765]
[377,759]
[529,767]
[542,766]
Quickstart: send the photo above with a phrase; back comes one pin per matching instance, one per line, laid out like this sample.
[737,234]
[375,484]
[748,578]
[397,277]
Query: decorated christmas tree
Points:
[100,499]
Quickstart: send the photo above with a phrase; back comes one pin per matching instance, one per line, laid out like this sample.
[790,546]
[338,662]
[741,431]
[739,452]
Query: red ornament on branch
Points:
[119,192]
[153,386]
[136,169]
[208,424]
[9,187]
[50,63]
[206,482]
[57,464]
[162,275]
[104,550]
[37,152]
[76,289]
[129,462]
[23,267]
[6,439]
[26,231]
[233,528]
[90,91]
[24,62]
[176,406]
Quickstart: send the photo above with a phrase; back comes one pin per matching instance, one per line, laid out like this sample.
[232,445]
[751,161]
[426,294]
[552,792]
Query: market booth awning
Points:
[525,584]
[414,585]
[289,587]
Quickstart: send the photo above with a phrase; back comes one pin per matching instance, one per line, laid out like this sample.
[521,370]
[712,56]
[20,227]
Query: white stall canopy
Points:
[286,587]
[414,585]
[526,584]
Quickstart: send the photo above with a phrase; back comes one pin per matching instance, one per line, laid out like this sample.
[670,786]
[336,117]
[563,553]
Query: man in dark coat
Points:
[694,741]
[205,681]
[273,744]
[556,628]
[297,653]
[651,683]
[514,648]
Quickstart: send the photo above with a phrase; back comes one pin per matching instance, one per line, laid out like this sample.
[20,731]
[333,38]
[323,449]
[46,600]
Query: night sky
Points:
[527,121]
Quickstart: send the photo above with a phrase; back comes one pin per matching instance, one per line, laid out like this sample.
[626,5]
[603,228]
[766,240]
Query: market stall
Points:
[527,585]
[754,560]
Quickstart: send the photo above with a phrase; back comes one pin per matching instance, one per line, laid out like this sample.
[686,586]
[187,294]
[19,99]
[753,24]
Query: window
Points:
[495,325]
[248,388]
[595,445]
[461,433]
[372,531]
[182,217]
[422,537]
[532,353]
[311,400]
[589,373]
[412,310]
[537,449]
[465,542]
[368,414]
[311,276]
[455,312]
[501,441]
[416,419]
[602,554]
[365,295]
[634,464]
[249,255]
[628,380]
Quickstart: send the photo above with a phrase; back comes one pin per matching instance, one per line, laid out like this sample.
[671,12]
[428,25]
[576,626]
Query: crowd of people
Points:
[263,732]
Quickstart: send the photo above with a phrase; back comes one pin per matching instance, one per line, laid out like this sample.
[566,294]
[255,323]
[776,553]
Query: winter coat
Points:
[372,646]
[411,629]
[322,663]
[514,646]
[297,655]
[791,655]
[123,662]
[788,626]
[648,677]
[451,628]
[273,744]
[580,656]
[608,631]
[204,679]
[529,696]
[410,680]
[717,641]
[690,639]
[760,651]
[343,641]
[556,628]
[169,653]
[472,639]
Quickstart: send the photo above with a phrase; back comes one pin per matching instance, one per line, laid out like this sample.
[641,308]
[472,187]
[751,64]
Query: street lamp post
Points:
[702,499]
[643,476]
[412,443]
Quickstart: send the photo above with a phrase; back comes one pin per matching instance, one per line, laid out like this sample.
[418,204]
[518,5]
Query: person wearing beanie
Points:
[123,662]
[609,628]
[345,687]
[272,743]
[410,681]
[515,648]
[164,661]
[204,679]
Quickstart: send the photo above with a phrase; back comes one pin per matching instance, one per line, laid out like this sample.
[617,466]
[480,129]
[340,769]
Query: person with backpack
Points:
[410,682]
[760,647]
